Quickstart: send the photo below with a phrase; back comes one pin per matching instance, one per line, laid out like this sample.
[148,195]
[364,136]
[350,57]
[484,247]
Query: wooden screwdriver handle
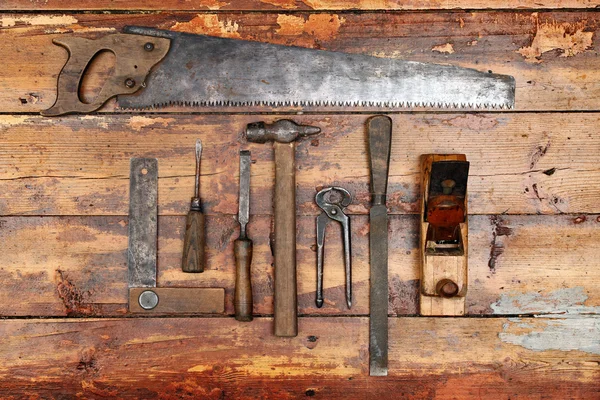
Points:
[242,249]
[193,243]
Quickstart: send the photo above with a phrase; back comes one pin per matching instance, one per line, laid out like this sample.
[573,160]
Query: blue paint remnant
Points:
[564,334]
[566,302]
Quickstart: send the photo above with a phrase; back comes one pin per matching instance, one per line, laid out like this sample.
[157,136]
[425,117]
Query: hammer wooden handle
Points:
[193,243]
[242,249]
[286,307]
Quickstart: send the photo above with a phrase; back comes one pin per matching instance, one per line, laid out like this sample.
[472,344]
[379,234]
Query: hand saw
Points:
[157,68]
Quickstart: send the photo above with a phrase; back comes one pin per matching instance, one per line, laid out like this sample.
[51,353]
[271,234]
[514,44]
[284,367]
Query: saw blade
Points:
[204,71]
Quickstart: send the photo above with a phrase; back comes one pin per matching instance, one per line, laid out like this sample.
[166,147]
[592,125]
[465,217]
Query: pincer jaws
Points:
[333,210]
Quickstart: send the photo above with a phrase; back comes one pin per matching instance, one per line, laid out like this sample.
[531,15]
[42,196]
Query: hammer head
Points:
[282,131]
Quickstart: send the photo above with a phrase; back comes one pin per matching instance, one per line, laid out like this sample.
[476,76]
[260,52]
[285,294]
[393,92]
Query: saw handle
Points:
[243,288]
[380,143]
[135,55]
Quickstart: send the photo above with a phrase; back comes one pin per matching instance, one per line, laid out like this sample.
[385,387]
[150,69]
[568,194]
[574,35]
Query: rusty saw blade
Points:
[204,71]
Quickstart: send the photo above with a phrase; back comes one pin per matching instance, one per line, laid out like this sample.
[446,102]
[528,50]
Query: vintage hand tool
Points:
[144,296]
[242,246]
[444,233]
[197,70]
[379,130]
[283,133]
[333,209]
[193,243]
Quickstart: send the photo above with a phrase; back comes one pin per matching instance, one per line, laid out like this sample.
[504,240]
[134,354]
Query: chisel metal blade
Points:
[203,71]
[244,201]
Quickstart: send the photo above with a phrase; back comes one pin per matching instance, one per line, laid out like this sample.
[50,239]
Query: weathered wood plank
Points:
[287,5]
[520,163]
[222,358]
[76,266]
[551,54]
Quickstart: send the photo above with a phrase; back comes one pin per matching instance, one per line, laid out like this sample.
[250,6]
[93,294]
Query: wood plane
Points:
[444,234]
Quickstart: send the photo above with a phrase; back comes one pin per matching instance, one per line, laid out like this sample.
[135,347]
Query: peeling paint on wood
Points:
[564,301]
[276,5]
[317,27]
[285,4]
[568,39]
[447,48]
[568,334]
[139,122]
[209,24]
[8,21]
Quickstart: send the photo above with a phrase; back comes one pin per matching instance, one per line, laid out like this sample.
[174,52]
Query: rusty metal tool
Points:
[379,130]
[144,295]
[444,234]
[242,246]
[283,133]
[143,222]
[193,258]
[333,209]
[157,68]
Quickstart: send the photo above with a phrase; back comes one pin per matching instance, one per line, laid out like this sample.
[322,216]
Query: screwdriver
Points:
[242,247]
[193,242]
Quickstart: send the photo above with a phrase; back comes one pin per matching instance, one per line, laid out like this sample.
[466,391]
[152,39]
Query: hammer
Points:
[283,133]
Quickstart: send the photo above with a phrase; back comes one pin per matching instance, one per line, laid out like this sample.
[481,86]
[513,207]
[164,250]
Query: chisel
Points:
[380,142]
[242,246]
[193,242]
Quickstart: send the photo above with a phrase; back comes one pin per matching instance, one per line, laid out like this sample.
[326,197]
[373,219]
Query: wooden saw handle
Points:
[135,56]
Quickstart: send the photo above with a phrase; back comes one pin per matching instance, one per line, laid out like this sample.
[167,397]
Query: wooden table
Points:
[533,326]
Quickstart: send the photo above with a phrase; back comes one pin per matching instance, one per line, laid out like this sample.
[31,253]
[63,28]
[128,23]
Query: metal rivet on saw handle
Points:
[129,83]
[149,46]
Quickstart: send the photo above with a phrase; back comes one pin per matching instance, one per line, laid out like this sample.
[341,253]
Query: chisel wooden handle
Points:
[193,242]
[242,249]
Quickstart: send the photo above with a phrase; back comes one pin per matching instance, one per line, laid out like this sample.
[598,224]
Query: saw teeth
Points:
[322,103]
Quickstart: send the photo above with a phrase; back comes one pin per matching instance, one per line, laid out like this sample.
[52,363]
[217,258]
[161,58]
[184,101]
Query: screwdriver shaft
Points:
[198,157]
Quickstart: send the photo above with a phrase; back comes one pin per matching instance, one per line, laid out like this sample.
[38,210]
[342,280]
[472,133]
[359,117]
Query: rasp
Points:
[379,129]
[156,68]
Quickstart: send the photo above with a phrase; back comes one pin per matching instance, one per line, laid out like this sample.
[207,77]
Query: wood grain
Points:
[179,301]
[285,291]
[193,257]
[242,299]
[222,358]
[526,163]
[288,5]
[64,201]
[76,266]
[552,55]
